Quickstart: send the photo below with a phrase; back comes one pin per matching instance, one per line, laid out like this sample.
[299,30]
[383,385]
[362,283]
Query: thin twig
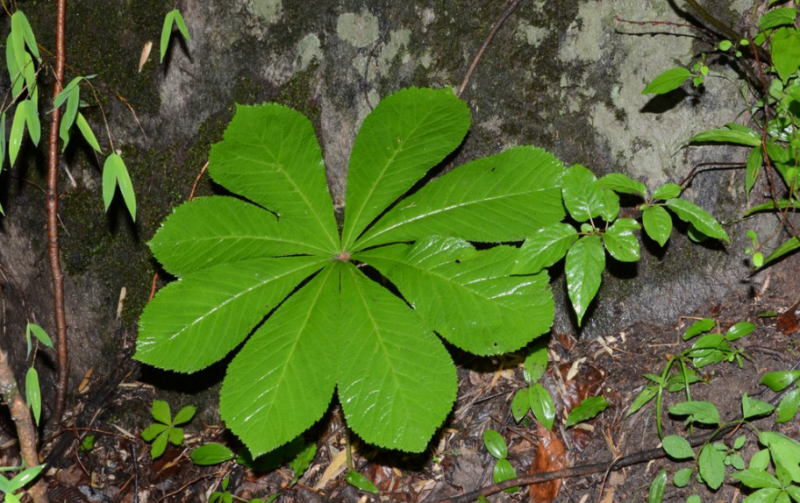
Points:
[510,10]
[52,225]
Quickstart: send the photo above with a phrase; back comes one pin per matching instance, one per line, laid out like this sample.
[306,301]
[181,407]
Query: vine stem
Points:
[52,224]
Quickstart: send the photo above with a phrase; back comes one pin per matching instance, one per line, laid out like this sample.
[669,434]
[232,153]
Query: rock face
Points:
[566,76]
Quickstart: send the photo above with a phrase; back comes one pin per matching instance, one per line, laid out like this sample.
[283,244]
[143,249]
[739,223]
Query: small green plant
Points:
[497,447]
[87,444]
[166,429]
[359,481]
[33,392]
[535,397]
[9,488]
[586,410]
[678,374]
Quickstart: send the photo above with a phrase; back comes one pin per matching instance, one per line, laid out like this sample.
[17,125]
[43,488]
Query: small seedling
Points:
[166,428]
[497,447]
[9,487]
[535,397]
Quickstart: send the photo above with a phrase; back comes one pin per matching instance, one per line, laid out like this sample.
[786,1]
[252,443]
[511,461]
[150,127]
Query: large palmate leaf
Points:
[195,322]
[477,285]
[328,325]
[283,379]
[505,197]
[271,156]
[398,143]
[391,365]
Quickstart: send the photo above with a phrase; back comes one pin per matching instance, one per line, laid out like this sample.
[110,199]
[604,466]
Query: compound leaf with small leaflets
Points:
[320,322]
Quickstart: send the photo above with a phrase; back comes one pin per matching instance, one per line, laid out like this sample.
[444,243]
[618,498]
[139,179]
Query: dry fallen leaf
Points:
[550,456]
[148,46]
[787,322]
[333,470]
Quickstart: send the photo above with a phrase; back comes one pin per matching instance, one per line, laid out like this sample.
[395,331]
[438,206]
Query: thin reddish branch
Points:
[52,224]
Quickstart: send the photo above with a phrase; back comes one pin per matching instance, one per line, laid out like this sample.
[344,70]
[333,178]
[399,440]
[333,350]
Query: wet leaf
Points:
[542,405]
[520,405]
[504,471]
[550,456]
[495,444]
[780,380]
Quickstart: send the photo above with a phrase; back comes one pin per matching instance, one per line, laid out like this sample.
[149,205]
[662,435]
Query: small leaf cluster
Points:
[166,429]
[595,206]
[535,397]
[497,447]
[225,496]
[774,142]
[10,487]
[679,373]
[784,484]
[172,19]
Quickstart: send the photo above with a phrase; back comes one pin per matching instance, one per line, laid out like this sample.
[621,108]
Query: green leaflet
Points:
[17,130]
[668,81]
[585,263]
[115,173]
[583,196]
[512,309]
[87,132]
[623,184]
[784,249]
[542,405]
[621,242]
[396,380]
[218,230]
[712,466]
[747,138]
[657,487]
[173,16]
[271,156]
[33,394]
[504,197]
[657,224]
[754,162]
[70,113]
[777,17]
[697,216]
[398,143]
[291,359]
[199,319]
[785,47]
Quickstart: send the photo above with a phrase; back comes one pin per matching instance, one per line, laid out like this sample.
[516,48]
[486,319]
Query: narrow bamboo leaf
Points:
[32,119]
[25,477]
[125,186]
[657,487]
[512,310]
[14,73]
[697,216]
[161,412]
[282,381]
[222,230]
[87,132]
[65,93]
[33,393]
[520,405]
[668,81]
[18,39]
[677,447]
[586,410]
[166,32]
[3,141]
[623,184]
[359,481]
[712,466]
[17,130]
[184,415]
[406,135]
[505,197]
[70,113]
[270,155]
[28,339]
[754,162]
[647,394]
[777,17]
[536,362]
[109,179]
[182,26]
[788,406]
[785,47]
[396,381]
[195,322]
[20,23]
[582,195]
[542,405]
[782,204]
[750,139]
[783,250]
[495,444]
[211,454]
[621,242]
[657,224]
[40,334]
[780,380]
[546,247]
[667,191]
[29,72]
[585,263]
